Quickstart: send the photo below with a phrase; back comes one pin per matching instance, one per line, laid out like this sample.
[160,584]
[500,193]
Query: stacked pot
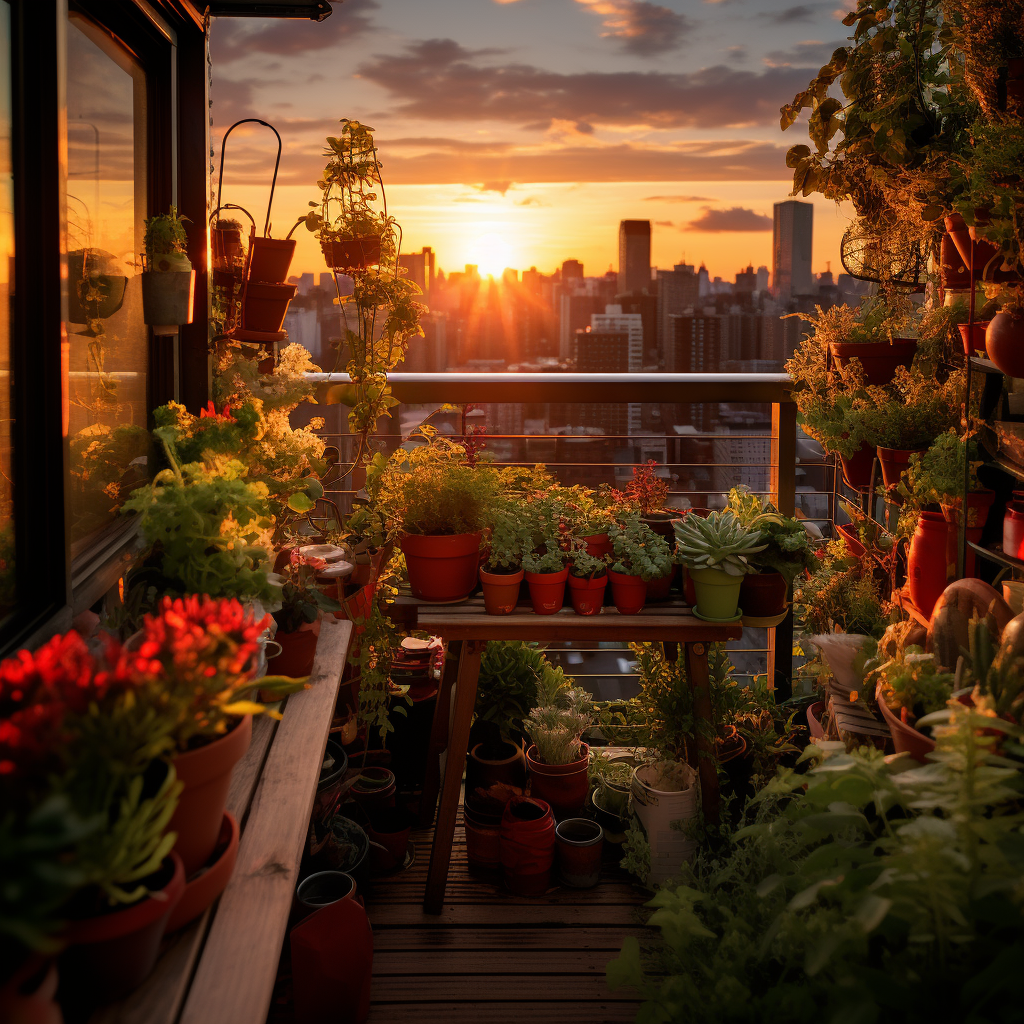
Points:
[266,295]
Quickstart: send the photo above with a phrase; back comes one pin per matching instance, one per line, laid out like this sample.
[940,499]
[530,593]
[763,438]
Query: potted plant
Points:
[646,494]
[558,757]
[639,555]
[546,572]
[438,503]
[610,781]
[168,280]
[588,578]
[716,552]
[1005,336]
[787,552]
[226,244]
[909,414]
[509,537]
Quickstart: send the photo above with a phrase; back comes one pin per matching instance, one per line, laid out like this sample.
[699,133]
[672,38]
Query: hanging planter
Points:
[956,275]
[352,253]
[501,591]
[1004,342]
[265,305]
[857,467]
[96,285]
[879,359]
[894,461]
[547,590]
[269,260]
[587,593]
[441,568]
[168,281]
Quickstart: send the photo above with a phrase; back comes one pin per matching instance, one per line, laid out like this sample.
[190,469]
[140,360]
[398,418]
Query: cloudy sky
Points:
[520,132]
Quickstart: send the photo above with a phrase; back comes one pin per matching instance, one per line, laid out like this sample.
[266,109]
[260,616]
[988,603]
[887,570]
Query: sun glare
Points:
[491,254]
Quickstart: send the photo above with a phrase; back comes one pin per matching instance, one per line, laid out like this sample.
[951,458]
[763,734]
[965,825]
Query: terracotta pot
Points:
[1013,529]
[580,843]
[298,650]
[352,254]
[850,538]
[225,246]
[956,275]
[905,738]
[265,306]
[547,590]
[926,561]
[1004,343]
[111,955]
[562,786]
[587,593]
[814,726]
[763,594]
[662,524]
[983,252]
[441,568]
[879,359]
[374,789]
[628,592]
[269,259]
[894,461]
[973,336]
[527,846]
[857,468]
[206,775]
[492,779]
[483,840]
[211,880]
[501,591]
[597,544]
[660,589]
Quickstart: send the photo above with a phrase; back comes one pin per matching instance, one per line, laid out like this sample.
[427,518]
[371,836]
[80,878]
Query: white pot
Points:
[662,793]
[840,651]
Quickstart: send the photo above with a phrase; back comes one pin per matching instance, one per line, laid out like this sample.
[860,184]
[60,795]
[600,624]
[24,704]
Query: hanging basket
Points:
[353,253]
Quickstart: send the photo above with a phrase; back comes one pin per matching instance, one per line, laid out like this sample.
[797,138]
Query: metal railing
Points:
[701,464]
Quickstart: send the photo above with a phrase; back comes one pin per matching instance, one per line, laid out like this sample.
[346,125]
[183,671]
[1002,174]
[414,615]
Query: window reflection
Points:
[106,209]
[7,579]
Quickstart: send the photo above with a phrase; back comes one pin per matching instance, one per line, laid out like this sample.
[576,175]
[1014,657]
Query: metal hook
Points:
[277,166]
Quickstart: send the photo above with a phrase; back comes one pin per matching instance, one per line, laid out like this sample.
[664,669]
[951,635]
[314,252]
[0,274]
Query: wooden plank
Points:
[512,1012]
[538,916]
[501,937]
[443,964]
[485,988]
[247,771]
[235,977]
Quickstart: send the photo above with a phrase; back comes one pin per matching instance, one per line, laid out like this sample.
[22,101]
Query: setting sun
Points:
[491,253]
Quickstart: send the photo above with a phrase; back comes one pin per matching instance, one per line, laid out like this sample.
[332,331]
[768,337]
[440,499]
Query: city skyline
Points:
[520,133]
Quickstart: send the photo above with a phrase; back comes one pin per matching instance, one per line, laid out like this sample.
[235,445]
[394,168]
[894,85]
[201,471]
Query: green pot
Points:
[718,593]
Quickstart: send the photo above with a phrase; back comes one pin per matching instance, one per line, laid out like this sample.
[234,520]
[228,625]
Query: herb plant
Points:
[788,548]
[638,551]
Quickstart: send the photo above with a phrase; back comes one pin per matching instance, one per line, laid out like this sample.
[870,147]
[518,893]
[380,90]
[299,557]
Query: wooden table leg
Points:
[455,762]
[439,732]
[698,674]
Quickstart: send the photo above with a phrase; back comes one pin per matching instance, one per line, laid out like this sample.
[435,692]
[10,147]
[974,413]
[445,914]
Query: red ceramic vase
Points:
[926,562]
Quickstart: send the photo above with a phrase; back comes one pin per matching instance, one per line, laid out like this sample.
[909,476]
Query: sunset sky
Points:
[520,132]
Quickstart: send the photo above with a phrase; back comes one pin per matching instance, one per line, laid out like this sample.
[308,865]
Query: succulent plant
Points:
[719,542]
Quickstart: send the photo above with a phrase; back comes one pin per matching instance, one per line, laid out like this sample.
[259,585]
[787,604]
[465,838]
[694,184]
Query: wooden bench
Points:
[221,969]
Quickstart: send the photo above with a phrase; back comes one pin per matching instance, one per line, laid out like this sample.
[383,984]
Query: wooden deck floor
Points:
[494,957]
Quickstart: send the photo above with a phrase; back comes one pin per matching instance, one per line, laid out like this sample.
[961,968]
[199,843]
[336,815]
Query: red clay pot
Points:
[490,780]
[926,561]
[269,259]
[483,840]
[563,786]
[111,955]
[1004,343]
[597,544]
[265,305]
[983,251]
[206,775]
[441,568]
[298,650]
[905,737]
[857,468]
[628,592]
[956,275]
[973,336]
[850,538]
[547,590]
[763,594]
[587,593]
[527,846]
[501,591]
[893,462]
[1013,529]
[660,589]
[212,878]
[352,254]
[879,358]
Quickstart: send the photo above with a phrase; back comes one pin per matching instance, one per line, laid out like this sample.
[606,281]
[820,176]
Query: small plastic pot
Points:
[628,592]
[580,843]
[547,590]
[501,591]
[587,593]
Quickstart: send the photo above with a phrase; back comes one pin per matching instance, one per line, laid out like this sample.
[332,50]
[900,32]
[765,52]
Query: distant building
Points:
[634,255]
[419,268]
[646,306]
[615,320]
[572,270]
[678,290]
[791,250]
[574,313]
[762,280]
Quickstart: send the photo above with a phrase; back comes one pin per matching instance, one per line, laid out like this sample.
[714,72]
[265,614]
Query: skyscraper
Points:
[791,250]
[634,255]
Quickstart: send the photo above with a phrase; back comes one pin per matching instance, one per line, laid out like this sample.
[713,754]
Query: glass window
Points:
[106,211]
[7,580]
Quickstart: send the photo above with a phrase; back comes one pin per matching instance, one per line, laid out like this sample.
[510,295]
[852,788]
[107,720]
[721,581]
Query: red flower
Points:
[210,413]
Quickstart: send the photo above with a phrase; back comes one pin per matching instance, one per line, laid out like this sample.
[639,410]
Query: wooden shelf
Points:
[985,365]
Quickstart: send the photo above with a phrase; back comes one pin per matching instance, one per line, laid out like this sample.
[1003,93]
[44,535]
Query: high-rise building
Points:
[791,250]
[614,320]
[647,307]
[635,255]
[677,292]
[419,268]
[572,270]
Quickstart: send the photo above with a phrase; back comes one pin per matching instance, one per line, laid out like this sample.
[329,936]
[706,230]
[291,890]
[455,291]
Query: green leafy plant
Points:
[842,595]
[638,551]
[165,234]
[937,477]
[302,601]
[511,533]
[550,560]
[557,728]
[912,680]
[788,548]
[720,541]
[510,671]
[584,565]
[912,411]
